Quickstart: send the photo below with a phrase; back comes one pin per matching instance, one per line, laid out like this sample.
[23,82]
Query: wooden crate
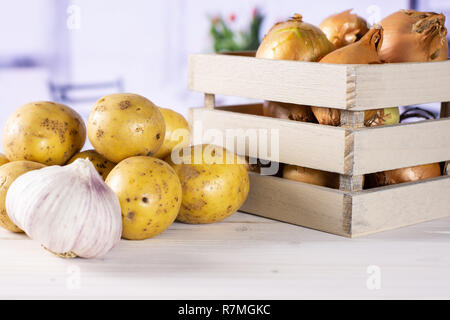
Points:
[351,150]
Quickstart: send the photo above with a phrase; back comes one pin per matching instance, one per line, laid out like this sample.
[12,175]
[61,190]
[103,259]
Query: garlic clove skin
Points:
[69,209]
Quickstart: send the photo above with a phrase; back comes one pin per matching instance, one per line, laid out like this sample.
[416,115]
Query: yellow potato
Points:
[3,159]
[149,193]
[103,165]
[213,188]
[45,132]
[177,133]
[8,173]
[124,125]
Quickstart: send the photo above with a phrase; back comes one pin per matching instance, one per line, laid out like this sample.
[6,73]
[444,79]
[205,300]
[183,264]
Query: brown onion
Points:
[344,28]
[379,117]
[396,176]
[311,176]
[364,51]
[413,36]
[288,111]
[294,40]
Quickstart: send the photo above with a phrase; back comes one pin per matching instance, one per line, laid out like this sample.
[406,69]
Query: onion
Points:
[288,111]
[311,176]
[294,40]
[413,36]
[396,176]
[379,117]
[327,116]
[344,28]
[364,51]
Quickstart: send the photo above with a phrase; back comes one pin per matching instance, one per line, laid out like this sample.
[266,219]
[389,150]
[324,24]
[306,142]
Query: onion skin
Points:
[380,117]
[288,111]
[413,36]
[396,176]
[365,51]
[344,28]
[294,40]
[444,52]
[327,116]
[311,176]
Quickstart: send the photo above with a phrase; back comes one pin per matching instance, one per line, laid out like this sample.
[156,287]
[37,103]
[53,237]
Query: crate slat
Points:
[351,214]
[306,144]
[298,203]
[401,205]
[399,146]
[284,81]
[400,84]
[353,87]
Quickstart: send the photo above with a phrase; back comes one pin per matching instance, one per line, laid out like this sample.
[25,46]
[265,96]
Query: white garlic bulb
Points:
[69,209]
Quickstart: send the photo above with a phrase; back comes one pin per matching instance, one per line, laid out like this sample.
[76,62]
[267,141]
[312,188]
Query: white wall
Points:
[147,42]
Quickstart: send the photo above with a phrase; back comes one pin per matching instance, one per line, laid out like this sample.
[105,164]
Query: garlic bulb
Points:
[69,209]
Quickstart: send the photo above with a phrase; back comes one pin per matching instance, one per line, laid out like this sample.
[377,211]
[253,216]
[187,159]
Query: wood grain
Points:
[210,101]
[305,144]
[284,81]
[398,146]
[351,120]
[400,205]
[353,87]
[242,257]
[298,203]
[399,84]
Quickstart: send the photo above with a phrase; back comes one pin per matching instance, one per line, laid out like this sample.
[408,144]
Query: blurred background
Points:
[75,51]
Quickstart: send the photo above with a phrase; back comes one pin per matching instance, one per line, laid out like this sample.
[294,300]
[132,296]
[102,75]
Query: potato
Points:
[149,193]
[8,173]
[177,133]
[212,189]
[3,159]
[124,125]
[103,165]
[45,132]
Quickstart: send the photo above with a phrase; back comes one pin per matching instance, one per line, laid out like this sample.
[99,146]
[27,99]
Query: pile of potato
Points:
[133,142]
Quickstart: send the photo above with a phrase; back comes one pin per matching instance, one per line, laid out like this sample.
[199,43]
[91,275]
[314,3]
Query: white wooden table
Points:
[242,257]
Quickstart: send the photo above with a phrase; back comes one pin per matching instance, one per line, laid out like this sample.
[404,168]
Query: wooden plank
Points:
[351,120]
[398,146]
[243,257]
[305,144]
[298,203]
[398,84]
[400,205]
[210,101]
[355,87]
[285,81]
[350,182]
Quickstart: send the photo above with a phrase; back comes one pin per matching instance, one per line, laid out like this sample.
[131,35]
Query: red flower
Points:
[232,17]
[255,12]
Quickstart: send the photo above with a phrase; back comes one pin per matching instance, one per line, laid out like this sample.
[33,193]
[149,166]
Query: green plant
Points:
[226,39]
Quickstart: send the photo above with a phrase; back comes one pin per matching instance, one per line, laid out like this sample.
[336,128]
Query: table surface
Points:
[243,257]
